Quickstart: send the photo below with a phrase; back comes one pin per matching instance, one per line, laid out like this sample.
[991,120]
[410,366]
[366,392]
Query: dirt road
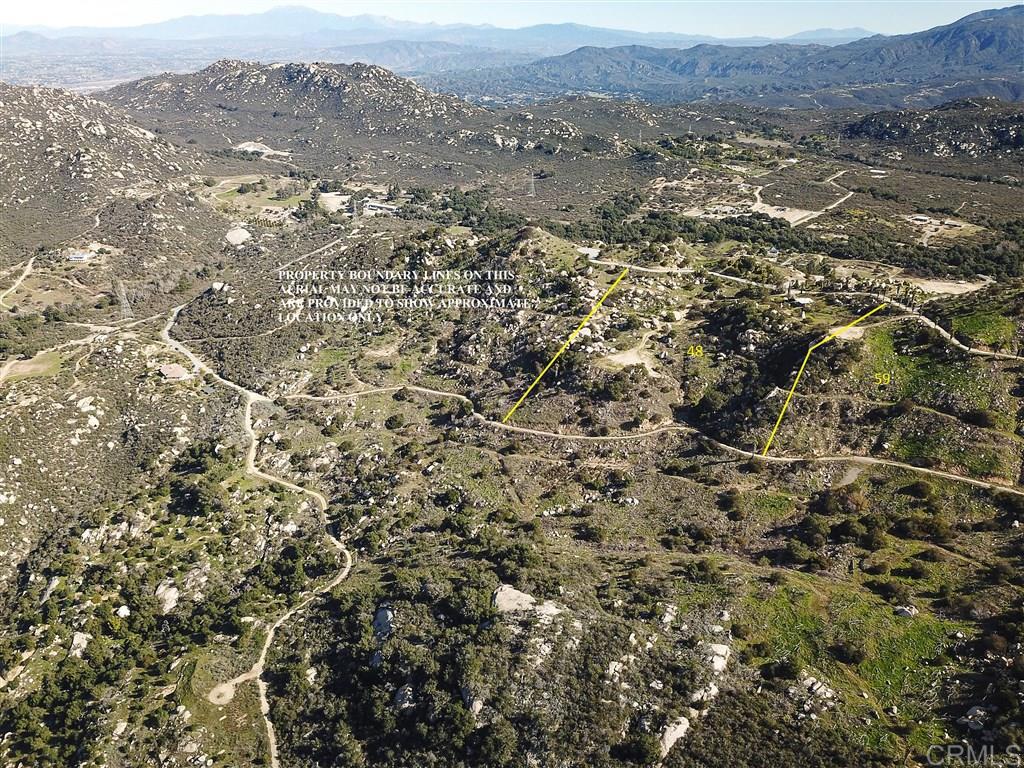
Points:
[224,692]
[17,283]
[853,458]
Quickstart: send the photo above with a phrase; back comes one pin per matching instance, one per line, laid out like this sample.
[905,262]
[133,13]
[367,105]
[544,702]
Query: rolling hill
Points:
[63,157]
[369,99]
[971,127]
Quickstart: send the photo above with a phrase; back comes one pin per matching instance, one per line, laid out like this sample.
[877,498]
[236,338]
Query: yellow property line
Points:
[565,346]
[803,365]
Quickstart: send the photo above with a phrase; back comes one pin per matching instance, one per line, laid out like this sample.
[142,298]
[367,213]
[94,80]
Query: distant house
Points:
[378,208]
[802,301]
[173,372]
[79,256]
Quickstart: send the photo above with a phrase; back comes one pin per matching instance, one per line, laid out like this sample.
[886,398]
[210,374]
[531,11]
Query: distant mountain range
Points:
[326,108]
[403,56]
[296,21]
[979,55]
[93,58]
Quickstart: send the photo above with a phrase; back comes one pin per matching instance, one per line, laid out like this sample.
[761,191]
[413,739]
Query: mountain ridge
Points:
[918,66]
[299,20]
[350,90]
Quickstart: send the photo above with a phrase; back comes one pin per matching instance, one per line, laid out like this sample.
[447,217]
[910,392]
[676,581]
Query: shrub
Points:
[849,651]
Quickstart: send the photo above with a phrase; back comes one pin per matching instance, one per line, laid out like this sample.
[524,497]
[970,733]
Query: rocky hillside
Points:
[972,127]
[370,99]
[359,117]
[63,156]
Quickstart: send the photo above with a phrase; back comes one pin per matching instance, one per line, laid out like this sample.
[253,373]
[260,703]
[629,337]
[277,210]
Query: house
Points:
[373,207]
[802,301]
[79,256]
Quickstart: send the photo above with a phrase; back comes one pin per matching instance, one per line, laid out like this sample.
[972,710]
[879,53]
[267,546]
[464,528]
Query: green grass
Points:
[928,380]
[236,729]
[694,596]
[803,619]
[790,622]
[901,554]
[988,328]
[724,247]
[325,358]
[946,445]
[766,506]
[261,199]
[273,202]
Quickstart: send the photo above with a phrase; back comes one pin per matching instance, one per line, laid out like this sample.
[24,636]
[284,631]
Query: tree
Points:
[498,746]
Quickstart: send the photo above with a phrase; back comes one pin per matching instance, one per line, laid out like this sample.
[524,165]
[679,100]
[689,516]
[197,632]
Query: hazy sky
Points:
[736,18]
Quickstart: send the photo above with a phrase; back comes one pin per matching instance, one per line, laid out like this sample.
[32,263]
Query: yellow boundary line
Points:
[803,365]
[565,346]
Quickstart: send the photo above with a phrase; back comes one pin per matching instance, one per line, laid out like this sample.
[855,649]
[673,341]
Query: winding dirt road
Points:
[815,214]
[321,249]
[950,338]
[911,312]
[224,692]
[17,283]
[852,459]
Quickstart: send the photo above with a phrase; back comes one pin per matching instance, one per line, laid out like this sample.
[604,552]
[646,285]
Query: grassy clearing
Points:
[236,728]
[766,506]
[944,442]
[273,202]
[259,199]
[987,328]
[929,380]
[325,358]
[803,620]
[43,364]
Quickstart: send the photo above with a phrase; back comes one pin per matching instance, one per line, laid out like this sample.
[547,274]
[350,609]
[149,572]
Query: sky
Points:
[725,18]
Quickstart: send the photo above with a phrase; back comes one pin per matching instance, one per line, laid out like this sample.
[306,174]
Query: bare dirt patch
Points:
[946,287]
